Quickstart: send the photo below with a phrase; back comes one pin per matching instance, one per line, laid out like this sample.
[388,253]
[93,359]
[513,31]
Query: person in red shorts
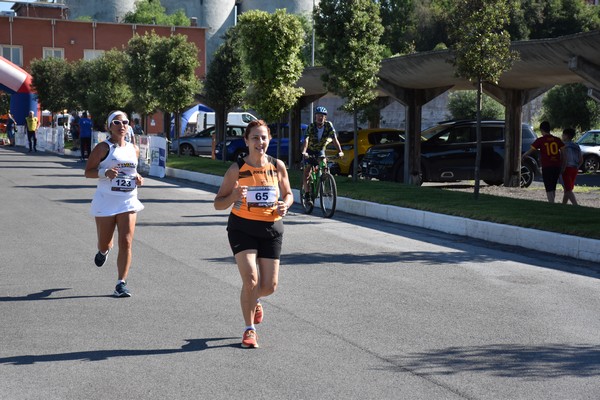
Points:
[549,147]
[571,159]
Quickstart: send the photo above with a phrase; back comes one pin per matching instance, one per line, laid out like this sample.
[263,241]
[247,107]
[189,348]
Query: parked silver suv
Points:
[590,150]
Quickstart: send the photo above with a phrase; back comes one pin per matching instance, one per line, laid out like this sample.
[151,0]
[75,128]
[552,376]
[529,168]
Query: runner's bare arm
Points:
[96,156]
[230,190]
[284,184]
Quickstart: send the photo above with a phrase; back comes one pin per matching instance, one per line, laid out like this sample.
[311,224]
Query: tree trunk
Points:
[220,131]
[280,122]
[176,130]
[355,148]
[167,127]
[478,153]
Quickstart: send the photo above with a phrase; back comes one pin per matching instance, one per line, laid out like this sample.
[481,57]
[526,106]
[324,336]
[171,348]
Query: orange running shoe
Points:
[249,340]
[258,314]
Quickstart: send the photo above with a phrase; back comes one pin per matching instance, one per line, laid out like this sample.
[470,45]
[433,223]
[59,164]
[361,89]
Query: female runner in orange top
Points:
[259,189]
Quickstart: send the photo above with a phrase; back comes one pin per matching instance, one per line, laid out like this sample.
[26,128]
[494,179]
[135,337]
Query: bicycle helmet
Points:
[321,110]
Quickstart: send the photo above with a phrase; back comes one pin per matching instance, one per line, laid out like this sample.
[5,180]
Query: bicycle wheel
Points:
[328,194]
[307,205]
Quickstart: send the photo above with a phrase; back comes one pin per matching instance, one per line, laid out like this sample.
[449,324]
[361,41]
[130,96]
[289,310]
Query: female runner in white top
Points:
[115,204]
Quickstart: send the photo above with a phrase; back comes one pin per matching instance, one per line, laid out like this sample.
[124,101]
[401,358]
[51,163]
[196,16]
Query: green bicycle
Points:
[322,186]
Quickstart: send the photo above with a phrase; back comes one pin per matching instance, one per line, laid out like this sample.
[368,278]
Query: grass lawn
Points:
[579,221]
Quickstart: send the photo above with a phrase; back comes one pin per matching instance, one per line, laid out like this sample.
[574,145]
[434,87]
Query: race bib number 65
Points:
[123,183]
[261,196]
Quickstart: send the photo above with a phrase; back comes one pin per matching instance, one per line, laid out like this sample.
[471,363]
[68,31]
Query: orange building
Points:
[40,31]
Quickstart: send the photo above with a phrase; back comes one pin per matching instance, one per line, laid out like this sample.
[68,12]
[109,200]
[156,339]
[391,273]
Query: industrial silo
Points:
[300,7]
[215,15]
[102,11]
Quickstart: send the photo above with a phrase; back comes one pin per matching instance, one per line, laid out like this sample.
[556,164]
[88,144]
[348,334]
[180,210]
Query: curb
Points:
[527,238]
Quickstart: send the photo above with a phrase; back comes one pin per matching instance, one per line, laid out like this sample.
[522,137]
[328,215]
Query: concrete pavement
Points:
[530,239]
[366,309]
[526,238]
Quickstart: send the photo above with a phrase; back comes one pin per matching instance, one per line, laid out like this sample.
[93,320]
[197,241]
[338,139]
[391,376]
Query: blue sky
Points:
[6,5]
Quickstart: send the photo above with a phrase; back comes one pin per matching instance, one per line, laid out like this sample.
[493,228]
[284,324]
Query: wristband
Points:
[104,172]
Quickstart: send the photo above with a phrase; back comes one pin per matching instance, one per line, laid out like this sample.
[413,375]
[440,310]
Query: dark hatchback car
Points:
[448,154]
[236,147]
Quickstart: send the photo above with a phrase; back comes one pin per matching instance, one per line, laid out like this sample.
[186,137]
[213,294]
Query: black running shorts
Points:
[266,247]
[264,237]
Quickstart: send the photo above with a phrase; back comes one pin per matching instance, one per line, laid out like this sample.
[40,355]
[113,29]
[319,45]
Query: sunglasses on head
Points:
[118,122]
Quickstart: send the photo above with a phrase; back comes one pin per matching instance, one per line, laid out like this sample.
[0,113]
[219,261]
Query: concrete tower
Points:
[103,11]
[301,7]
[215,15]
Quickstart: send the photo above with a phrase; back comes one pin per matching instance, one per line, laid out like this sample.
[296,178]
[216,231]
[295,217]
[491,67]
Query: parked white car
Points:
[590,150]
[203,120]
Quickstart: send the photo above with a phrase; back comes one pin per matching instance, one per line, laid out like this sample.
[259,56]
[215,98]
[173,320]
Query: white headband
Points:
[113,115]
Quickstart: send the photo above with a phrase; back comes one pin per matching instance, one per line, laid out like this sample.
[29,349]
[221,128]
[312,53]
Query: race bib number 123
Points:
[123,183]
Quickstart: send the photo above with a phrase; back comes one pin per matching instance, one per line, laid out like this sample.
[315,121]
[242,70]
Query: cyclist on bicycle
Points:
[318,135]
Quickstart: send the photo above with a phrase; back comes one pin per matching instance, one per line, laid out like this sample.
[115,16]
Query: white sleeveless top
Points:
[118,195]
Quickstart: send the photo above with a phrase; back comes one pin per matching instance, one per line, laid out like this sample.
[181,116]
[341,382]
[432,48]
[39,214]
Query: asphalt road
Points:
[364,309]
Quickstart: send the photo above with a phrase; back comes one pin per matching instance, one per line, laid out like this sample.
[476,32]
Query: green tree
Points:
[80,84]
[224,84]
[481,50]
[152,12]
[546,19]
[517,26]
[109,89]
[271,47]
[174,61]
[70,85]
[462,104]
[432,20]
[350,32]
[4,102]
[307,49]
[398,18]
[138,70]
[569,106]
[48,78]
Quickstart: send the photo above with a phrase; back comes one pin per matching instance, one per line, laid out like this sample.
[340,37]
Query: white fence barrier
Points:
[153,149]
[48,139]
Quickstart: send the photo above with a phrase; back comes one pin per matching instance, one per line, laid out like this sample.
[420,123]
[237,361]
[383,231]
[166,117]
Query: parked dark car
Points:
[366,138]
[448,154]
[237,146]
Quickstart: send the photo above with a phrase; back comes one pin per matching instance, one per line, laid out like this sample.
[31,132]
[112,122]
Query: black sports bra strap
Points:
[240,161]
[272,160]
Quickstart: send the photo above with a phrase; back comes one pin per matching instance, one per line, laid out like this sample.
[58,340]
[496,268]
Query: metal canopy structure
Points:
[542,63]
[416,79]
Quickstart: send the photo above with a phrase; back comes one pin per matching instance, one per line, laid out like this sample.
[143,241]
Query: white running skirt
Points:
[106,205]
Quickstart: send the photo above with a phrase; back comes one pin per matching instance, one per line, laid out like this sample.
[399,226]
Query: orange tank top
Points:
[260,203]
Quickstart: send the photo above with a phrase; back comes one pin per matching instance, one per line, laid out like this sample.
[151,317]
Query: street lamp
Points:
[312,56]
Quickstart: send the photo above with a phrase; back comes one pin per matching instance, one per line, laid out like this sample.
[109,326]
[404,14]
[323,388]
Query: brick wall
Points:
[32,35]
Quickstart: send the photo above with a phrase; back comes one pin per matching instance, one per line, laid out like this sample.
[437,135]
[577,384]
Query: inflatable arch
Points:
[17,82]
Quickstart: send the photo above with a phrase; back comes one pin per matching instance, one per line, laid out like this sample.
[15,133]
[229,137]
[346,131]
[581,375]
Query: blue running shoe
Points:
[121,290]
[100,258]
